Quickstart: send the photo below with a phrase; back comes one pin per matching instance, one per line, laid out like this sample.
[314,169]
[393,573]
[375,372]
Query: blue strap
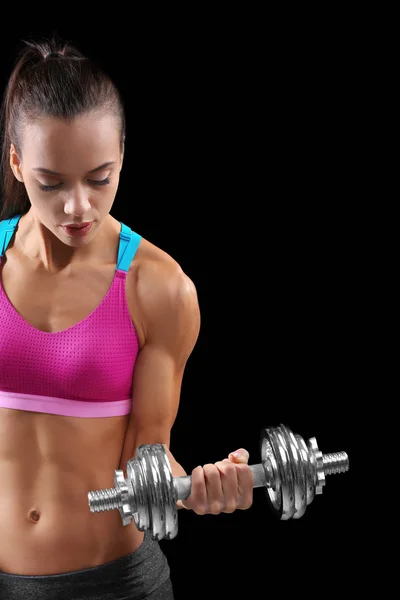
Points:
[129,242]
[7,228]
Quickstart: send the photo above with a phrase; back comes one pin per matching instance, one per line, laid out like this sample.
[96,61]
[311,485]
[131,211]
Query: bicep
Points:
[172,328]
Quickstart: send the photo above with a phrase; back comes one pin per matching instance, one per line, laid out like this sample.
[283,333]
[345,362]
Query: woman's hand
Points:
[225,486]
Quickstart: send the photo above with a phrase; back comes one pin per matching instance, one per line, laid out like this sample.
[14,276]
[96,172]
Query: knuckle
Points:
[226,469]
[215,507]
[230,508]
[209,470]
[229,467]
[200,510]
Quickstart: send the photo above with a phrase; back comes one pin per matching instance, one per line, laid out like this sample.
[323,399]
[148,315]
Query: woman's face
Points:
[70,170]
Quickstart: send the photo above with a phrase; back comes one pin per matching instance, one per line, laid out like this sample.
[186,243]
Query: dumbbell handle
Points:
[183,485]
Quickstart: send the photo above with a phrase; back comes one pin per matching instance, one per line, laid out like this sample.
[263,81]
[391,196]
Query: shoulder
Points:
[160,277]
[165,296]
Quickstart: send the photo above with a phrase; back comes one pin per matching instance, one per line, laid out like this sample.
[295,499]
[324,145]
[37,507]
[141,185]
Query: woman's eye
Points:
[101,182]
[51,188]
[48,188]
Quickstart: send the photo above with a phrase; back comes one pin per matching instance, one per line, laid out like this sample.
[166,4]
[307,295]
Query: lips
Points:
[78,226]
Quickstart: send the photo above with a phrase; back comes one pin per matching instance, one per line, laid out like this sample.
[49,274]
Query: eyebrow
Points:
[48,172]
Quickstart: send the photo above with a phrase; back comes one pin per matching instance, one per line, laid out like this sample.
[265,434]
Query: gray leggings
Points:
[143,574]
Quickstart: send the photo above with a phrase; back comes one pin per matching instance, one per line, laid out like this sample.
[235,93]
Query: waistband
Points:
[135,575]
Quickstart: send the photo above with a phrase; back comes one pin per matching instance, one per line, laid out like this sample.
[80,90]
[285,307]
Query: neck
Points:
[41,246]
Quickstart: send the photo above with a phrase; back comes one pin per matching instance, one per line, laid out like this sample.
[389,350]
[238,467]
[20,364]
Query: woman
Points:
[96,327]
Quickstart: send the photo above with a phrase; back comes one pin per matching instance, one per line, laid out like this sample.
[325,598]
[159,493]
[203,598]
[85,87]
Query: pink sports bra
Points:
[83,371]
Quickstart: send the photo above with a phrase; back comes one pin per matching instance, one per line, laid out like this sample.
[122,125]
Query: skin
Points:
[164,307]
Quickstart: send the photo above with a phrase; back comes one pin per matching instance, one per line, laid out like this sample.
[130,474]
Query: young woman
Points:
[96,327]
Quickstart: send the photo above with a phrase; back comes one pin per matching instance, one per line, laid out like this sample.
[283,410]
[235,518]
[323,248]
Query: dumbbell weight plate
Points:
[151,485]
[292,489]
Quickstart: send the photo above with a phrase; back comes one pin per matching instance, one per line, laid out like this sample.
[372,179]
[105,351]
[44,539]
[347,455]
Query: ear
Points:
[15,163]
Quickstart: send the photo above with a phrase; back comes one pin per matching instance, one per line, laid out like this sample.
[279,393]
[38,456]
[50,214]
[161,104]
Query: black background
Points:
[241,162]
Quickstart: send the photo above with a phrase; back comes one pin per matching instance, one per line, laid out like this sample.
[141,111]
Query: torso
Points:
[49,463]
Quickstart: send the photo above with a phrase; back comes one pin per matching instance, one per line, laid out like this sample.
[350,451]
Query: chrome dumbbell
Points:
[291,472]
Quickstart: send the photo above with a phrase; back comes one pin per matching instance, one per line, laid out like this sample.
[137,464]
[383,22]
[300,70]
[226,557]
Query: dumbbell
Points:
[292,472]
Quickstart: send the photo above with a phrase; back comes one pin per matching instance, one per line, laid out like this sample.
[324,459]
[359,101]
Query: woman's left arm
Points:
[170,321]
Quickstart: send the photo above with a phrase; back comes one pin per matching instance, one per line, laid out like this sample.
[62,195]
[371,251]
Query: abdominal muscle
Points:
[48,464]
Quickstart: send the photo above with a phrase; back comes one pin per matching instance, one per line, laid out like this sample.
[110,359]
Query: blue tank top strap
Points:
[7,228]
[129,242]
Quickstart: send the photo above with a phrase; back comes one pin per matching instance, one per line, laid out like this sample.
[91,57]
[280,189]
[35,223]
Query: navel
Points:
[34,516]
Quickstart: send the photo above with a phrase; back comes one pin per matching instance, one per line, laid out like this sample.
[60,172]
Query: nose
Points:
[78,204]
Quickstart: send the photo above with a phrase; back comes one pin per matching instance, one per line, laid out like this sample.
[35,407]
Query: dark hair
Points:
[49,79]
